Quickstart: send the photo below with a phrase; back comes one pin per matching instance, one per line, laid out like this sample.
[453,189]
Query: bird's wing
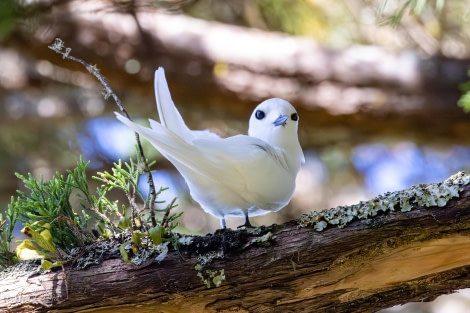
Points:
[251,170]
[169,116]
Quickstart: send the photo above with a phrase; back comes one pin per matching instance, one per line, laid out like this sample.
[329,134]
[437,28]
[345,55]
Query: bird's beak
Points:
[281,120]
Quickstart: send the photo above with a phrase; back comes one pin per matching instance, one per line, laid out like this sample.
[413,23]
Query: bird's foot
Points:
[222,223]
[247,223]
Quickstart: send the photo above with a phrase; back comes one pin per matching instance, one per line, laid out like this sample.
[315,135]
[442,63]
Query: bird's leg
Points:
[247,222]
[222,223]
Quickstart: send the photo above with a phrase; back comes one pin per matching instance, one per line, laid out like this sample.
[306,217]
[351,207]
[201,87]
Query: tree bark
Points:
[370,264]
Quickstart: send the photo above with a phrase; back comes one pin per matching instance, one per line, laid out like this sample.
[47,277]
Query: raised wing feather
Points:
[167,112]
[169,115]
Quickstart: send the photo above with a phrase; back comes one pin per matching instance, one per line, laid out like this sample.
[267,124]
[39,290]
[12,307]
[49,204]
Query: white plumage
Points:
[243,175]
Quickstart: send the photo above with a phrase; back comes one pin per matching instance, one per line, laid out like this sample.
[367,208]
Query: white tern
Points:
[235,176]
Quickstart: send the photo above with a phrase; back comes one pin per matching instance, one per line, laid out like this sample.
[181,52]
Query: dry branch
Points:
[395,257]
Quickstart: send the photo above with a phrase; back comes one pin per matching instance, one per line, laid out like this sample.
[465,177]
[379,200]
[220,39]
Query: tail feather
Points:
[175,149]
[169,116]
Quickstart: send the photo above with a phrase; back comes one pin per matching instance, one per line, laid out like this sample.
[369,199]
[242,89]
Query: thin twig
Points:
[59,47]
[103,217]
[164,222]
[76,229]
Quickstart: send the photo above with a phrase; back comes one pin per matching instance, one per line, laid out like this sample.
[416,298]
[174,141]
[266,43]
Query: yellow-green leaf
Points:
[125,222]
[43,239]
[156,234]
[47,265]
[46,225]
[137,237]
[125,256]
[28,251]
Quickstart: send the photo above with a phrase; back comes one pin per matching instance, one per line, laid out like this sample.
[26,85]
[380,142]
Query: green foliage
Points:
[48,203]
[50,221]
[464,100]
[7,224]
[55,227]
[125,179]
[156,234]
[124,254]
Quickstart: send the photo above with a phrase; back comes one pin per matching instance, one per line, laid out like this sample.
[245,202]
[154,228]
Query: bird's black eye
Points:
[294,117]
[259,114]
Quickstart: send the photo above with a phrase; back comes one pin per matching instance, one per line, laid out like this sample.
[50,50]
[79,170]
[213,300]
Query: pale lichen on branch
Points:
[423,195]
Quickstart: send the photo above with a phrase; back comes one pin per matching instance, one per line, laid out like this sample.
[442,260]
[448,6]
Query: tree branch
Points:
[394,257]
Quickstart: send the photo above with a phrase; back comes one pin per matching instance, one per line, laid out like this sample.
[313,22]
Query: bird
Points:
[242,175]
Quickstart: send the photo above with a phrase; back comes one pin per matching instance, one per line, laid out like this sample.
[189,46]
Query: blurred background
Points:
[376,85]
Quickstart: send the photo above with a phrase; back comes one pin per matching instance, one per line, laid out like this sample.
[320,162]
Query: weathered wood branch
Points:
[394,257]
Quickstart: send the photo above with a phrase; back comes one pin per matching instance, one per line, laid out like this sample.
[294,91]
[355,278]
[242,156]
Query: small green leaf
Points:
[122,249]
[28,251]
[156,234]
[47,265]
[137,237]
[43,239]
[125,222]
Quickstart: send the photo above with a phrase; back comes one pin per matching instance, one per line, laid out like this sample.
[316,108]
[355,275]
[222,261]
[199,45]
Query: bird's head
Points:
[275,121]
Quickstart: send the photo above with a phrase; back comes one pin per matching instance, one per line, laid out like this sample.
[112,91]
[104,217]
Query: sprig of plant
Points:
[97,203]
[125,177]
[49,220]
[7,224]
[59,47]
[53,225]
[55,228]
[49,203]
